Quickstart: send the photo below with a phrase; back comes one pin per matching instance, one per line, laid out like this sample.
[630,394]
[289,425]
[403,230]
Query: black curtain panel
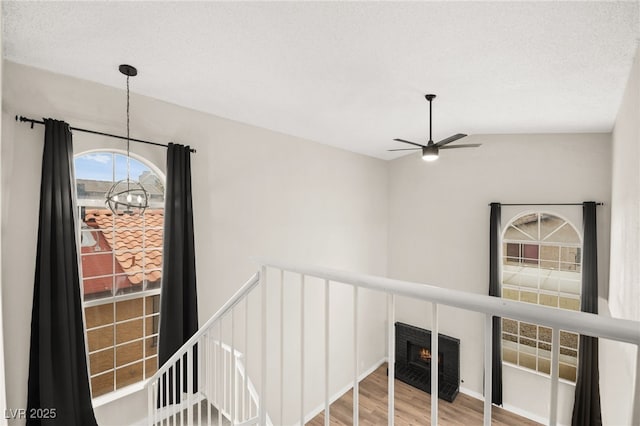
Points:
[586,406]
[58,386]
[178,300]
[494,290]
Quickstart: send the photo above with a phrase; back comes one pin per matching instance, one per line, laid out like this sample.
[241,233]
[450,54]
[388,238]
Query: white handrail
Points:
[233,301]
[579,322]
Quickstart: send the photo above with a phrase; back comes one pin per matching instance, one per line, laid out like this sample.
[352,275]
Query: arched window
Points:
[542,260]
[121,260]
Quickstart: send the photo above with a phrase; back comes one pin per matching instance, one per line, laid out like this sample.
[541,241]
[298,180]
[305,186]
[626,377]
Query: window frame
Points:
[144,294]
[515,338]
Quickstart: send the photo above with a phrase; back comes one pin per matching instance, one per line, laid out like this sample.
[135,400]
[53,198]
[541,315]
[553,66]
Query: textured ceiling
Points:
[352,75]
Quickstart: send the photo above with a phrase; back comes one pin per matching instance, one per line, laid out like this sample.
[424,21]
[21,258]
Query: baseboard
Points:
[345,389]
[507,407]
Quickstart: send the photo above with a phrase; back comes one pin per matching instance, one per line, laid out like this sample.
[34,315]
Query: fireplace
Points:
[413,360]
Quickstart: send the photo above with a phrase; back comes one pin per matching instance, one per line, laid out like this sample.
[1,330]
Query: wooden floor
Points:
[412,407]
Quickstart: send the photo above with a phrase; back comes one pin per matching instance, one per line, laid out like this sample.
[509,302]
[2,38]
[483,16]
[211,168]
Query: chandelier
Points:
[127,196]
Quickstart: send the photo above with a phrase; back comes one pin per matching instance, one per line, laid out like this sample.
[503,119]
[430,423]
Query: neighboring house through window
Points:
[121,260]
[542,265]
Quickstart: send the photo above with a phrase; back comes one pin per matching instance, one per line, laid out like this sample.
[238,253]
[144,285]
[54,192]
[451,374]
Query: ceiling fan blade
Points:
[450,139]
[468,145]
[404,149]
[409,142]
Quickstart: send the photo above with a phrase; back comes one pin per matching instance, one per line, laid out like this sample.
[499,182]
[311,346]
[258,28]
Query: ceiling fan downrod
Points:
[430,98]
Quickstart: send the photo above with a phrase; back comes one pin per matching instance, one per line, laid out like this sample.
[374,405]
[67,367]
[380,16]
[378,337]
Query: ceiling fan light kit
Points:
[430,153]
[431,150]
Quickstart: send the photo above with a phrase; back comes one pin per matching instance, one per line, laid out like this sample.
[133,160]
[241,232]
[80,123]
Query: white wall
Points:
[625,203]
[3,396]
[624,293]
[439,231]
[256,192]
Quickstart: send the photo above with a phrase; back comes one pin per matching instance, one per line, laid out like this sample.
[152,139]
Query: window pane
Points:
[151,325]
[527,360]
[544,334]
[528,330]
[509,326]
[151,346]
[570,283]
[568,339]
[97,264]
[549,224]
[544,365]
[569,303]
[510,355]
[510,277]
[544,349]
[567,372]
[529,278]
[125,284]
[566,234]
[128,330]
[128,375]
[101,361]
[100,338]
[128,309]
[94,174]
[152,304]
[531,253]
[527,224]
[150,366]
[529,297]
[549,281]
[102,384]
[549,300]
[517,234]
[93,241]
[508,293]
[97,316]
[128,353]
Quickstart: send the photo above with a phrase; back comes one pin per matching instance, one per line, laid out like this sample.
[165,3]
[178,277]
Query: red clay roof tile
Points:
[134,248]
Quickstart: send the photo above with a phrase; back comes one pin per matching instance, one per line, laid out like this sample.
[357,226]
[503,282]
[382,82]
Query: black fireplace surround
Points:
[413,360]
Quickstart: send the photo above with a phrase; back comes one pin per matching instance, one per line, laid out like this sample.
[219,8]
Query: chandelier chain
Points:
[128,141]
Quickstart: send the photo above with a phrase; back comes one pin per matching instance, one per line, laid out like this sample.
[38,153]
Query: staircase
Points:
[235,369]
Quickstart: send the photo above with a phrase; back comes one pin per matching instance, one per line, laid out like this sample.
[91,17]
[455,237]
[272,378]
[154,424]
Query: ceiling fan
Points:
[431,149]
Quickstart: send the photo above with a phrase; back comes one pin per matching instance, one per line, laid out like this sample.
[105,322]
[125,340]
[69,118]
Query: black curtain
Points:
[58,386]
[494,290]
[178,300]
[586,406]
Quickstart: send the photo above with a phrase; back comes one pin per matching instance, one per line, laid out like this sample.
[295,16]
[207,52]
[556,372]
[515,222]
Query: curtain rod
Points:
[546,204]
[33,121]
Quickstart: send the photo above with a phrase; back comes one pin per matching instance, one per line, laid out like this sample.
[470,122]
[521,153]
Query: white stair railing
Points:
[228,397]
[206,381]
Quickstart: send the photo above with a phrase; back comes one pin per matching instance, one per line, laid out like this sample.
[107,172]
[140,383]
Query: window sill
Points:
[117,394]
[537,373]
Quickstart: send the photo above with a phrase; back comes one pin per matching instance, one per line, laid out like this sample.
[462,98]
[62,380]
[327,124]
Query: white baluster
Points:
[232,411]
[355,358]
[302,349]
[263,368]
[555,356]
[281,346]
[434,364]
[391,350]
[327,327]
[488,364]
[245,391]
